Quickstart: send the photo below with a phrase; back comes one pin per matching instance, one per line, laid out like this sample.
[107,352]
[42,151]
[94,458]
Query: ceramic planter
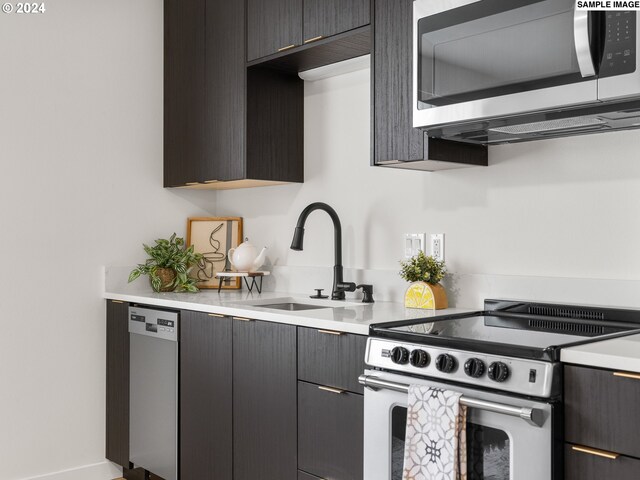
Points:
[426,295]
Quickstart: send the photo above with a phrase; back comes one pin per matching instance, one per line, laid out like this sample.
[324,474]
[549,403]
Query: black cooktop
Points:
[517,329]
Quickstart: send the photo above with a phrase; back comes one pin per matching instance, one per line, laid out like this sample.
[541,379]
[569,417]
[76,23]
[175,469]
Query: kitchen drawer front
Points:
[305,476]
[601,409]
[586,466]
[330,432]
[331,358]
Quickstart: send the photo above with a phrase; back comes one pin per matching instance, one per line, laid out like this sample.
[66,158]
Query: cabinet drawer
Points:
[586,466]
[601,410]
[331,358]
[330,432]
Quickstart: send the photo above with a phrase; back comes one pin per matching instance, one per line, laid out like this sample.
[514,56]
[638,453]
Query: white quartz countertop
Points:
[343,316]
[621,353]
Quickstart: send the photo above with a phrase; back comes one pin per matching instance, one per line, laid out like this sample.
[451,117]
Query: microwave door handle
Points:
[582,42]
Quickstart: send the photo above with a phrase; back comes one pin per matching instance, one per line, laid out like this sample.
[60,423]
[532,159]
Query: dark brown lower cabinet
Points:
[330,432]
[117,401]
[601,409]
[585,466]
[206,425]
[264,400]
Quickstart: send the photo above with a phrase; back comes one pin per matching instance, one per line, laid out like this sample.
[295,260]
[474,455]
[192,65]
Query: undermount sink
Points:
[293,307]
[292,304]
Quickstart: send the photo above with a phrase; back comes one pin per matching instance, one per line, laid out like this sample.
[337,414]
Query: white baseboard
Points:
[97,471]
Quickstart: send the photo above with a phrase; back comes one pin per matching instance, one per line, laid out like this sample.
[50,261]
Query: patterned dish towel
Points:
[435,443]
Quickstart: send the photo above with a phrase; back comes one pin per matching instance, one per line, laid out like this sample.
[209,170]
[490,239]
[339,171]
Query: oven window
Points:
[488,449]
[482,50]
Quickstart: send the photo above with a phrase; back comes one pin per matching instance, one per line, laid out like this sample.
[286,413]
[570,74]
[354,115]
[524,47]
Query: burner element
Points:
[400,355]
[474,367]
[446,363]
[419,358]
[498,372]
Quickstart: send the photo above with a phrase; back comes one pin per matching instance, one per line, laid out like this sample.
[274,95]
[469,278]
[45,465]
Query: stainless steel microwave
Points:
[495,71]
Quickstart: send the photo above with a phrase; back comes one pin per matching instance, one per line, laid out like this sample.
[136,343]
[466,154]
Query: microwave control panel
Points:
[619,56]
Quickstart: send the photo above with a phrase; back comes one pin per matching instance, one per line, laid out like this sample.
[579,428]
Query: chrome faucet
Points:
[339,285]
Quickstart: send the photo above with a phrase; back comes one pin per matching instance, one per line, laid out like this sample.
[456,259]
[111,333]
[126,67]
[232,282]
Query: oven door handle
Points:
[532,416]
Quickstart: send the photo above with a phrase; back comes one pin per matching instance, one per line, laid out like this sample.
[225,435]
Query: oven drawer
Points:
[581,465]
[330,432]
[601,409]
[331,358]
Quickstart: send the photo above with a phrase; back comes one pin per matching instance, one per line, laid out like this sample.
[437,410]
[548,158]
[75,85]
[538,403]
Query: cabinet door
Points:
[184,90]
[392,82]
[205,397]
[323,18]
[225,92]
[586,466]
[264,401]
[330,432]
[117,427]
[272,25]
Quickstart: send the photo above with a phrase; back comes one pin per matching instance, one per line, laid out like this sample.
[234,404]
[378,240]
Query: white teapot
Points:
[245,257]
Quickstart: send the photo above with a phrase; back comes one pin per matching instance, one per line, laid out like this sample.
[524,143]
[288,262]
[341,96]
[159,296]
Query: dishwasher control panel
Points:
[154,323]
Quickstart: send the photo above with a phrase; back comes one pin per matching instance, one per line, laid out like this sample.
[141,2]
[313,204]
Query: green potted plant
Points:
[168,266]
[425,273]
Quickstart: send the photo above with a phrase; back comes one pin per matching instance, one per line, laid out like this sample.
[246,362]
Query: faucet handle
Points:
[346,287]
[367,292]
[319,293]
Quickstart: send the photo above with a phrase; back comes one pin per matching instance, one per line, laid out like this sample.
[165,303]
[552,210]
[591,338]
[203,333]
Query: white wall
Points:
[81,169]
[556,208]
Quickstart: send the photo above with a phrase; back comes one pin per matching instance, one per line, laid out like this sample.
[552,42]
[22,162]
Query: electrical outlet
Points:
[437,246]
[413,243]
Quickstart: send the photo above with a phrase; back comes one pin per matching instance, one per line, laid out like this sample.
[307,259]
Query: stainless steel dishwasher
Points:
[153,403]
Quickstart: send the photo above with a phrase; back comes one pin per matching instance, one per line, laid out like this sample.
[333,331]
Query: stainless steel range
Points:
[505,362]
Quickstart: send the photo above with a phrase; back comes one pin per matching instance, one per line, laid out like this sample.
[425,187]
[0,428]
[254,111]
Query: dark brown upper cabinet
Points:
[324,18]
[225,125]
[395,142]
[298,35]
[273,26]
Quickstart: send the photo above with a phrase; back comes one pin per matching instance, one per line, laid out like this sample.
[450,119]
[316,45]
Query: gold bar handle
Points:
[332,390]
[314,39]
[330,332]
[117,301]
[635,376]
[191,184]
[596,452]
[242,319]
[288,47]
[217,315]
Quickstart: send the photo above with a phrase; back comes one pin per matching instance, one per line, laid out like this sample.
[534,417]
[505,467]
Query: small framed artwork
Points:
[213,237]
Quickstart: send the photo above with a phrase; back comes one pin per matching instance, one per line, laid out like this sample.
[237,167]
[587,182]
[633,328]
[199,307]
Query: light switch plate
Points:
[413,243]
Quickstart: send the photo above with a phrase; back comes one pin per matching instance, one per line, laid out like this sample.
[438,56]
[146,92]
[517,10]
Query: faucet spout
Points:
[298,241]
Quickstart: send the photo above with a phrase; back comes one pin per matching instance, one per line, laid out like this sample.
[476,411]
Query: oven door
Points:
[486,59]
[500,446]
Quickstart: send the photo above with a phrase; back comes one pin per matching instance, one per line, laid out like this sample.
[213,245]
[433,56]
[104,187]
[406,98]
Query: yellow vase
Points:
[426,295]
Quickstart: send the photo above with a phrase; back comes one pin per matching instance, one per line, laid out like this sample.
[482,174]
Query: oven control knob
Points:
[446,363]
[474,367]
[419,358]
[498,372]
[400,355]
